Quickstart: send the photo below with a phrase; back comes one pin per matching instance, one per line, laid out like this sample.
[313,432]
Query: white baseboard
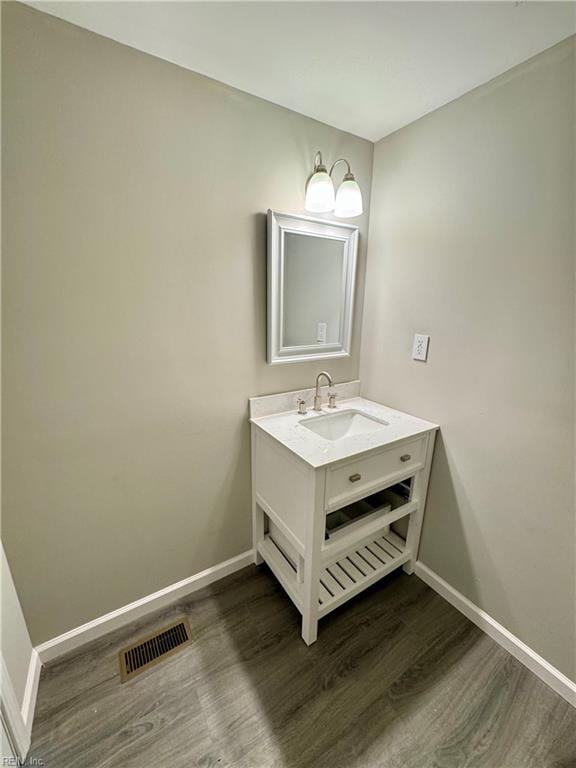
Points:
[535,663]
[92,630]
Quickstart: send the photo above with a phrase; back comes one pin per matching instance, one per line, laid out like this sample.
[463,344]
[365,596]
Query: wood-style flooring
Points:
[397,679]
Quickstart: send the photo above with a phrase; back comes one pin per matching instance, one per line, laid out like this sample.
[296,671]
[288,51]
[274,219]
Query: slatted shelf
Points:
[345,575]
[360,567]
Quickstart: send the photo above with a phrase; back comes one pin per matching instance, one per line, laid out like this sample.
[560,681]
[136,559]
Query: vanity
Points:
[338,494]
[338,482]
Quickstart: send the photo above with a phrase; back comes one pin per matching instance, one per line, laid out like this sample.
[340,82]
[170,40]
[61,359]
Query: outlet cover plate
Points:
[420,348]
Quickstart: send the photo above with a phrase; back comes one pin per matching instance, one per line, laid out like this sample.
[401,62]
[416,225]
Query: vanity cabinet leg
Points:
[257,512]
[310,604]
[316,526]
[419,491]
[412,541]
[309,629]
[257,531]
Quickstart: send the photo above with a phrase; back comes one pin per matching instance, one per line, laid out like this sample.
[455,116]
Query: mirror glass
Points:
[313,285]
[311,273]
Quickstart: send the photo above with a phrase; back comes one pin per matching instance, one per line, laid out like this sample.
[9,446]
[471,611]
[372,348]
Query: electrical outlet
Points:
[420,348]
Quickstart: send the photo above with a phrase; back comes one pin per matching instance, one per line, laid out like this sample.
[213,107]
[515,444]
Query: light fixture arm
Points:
[348,174]
[318,163]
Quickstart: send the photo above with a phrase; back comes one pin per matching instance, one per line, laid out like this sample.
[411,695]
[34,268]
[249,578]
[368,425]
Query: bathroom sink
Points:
[335,426]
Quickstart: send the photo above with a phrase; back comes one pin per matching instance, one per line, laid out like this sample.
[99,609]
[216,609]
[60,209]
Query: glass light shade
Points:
[320,193]
[348,200]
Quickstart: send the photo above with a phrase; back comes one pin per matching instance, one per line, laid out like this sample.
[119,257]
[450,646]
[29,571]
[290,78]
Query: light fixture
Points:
[348,197]
[320,189]
[320,196]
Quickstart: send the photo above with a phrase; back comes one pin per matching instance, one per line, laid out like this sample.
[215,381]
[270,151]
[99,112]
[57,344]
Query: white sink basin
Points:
[335,426]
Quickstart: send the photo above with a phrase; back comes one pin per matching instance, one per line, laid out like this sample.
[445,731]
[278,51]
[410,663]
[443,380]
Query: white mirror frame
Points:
[278,225]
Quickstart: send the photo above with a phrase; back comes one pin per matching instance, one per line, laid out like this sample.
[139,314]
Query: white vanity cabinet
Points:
[330,518]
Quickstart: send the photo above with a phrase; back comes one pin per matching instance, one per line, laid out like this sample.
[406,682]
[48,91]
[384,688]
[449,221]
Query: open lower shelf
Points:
[345,575]
[360,567]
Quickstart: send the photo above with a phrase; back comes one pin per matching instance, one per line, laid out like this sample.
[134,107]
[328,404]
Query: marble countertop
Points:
[317,451]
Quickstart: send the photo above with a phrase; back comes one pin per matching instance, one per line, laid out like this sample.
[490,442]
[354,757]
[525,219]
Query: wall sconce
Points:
[320,197]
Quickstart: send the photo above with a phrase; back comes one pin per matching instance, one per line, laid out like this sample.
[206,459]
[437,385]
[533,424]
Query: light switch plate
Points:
[420,348]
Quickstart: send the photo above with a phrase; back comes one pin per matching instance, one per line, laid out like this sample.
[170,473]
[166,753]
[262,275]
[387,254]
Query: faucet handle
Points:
[332,399]
[301,403]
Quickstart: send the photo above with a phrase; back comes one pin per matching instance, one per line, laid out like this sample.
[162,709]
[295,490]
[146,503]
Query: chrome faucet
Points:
[318,396]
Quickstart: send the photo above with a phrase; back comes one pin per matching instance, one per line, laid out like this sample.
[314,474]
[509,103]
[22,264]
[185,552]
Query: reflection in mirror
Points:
[311,272]
[313,285]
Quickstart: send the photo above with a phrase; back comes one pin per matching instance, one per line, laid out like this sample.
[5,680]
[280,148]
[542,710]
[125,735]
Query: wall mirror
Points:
[311,273]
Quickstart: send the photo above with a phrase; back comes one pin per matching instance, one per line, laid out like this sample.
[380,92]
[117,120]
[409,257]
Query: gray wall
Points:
[134,249]
[472,241]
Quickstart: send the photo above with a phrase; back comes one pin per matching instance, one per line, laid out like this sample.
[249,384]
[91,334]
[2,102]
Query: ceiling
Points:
[365,67]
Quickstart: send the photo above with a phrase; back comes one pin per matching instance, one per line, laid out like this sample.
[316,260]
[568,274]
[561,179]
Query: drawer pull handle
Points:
[405,457]
[355,477]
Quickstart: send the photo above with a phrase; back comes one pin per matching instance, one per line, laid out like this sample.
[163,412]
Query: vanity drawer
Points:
[360,477]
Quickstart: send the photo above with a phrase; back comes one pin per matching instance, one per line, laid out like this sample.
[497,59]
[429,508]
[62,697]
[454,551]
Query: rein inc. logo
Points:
[18,761]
